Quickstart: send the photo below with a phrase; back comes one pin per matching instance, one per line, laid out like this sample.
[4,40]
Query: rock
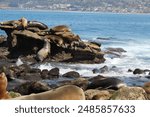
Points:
[31,87]
[68,92]
[54,72]
[94,94]
[30,76]
[146,87]
[44,74]
[3,87]
[95,78]
[34,70]
[71,74]
[138,71]
[14,94]
[104,69]
[130,70]
[80,82]
[64,45]
[114,52]
[95,71]
[2,39]
[108,83]
[129,93]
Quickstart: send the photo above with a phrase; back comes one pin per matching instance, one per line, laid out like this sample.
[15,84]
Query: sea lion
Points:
[14,23]
[67,92]
[43,53]
[37,24]
[24,22]
[60,28]
[3,85]
[108,83]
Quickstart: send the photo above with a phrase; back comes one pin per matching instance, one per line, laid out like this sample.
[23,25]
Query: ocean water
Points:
[128,31]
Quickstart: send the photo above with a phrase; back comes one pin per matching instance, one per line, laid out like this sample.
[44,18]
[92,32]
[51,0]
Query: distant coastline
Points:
[78,11]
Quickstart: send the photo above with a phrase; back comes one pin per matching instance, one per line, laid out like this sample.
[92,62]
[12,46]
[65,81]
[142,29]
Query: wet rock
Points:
[129,93]
[114,52]
[138,71]
[32,87]
[95,71]
[54,72]
[130,70]
[108,83]
[104,69]
[71,74]
[44,74]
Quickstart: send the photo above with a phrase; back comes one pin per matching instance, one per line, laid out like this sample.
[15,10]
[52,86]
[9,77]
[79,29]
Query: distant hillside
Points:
[124,6]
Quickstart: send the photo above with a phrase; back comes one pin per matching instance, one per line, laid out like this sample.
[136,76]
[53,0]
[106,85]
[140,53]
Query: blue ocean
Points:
[128,31]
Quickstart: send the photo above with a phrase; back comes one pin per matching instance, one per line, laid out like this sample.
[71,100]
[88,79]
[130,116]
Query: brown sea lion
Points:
[43,53]
[67,92]
[3,85]
[60,28]
[37,24]
[24,22]
[14,23]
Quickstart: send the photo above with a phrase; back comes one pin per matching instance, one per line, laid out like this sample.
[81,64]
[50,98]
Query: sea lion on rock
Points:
[60,28]
[24,22]
[108,83]
[67,92]
[43,53]
[37,24]
[3,85]
[14,23]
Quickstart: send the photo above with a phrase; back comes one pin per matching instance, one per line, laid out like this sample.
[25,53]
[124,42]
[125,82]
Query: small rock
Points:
[44,74]
[104,69]
[71,74]
[14,94]
[129,93]
[54,72]
[130,70]
[138,71]
[95,71]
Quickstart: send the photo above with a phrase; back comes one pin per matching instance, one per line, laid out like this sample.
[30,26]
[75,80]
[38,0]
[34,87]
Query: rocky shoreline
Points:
[23,47]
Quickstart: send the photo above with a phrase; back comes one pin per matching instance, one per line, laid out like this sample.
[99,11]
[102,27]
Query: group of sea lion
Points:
[67,92]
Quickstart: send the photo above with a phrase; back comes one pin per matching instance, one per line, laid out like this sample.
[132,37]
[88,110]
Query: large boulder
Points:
[130,93]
